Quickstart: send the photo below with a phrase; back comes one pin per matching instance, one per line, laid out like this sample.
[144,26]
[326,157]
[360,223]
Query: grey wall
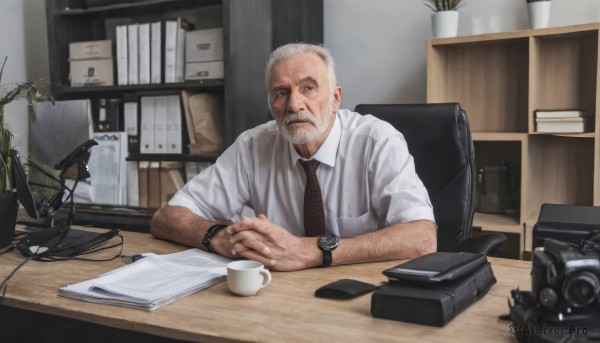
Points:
[380,45]
[23,40]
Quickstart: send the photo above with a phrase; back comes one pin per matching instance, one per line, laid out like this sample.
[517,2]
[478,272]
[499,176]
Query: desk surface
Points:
[284,311]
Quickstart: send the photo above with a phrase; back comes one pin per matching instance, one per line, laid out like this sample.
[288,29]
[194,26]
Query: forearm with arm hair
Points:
[398,241]
[178,224]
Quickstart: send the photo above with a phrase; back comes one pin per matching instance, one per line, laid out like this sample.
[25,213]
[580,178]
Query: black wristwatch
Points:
[210,233]
[328,243]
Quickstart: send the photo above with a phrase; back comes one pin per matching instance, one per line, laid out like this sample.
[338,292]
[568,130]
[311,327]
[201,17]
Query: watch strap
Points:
[327,243]
[327,258]
[210,233]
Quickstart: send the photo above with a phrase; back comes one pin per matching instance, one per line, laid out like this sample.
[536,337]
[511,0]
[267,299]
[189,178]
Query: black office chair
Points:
[439,139]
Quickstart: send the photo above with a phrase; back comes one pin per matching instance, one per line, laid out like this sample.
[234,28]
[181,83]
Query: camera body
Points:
[566,278]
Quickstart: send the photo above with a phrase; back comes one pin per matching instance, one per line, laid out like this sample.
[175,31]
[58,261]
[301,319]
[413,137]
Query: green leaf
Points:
[25,91]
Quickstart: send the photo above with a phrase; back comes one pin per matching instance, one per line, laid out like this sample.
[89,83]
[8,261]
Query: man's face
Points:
[301,98]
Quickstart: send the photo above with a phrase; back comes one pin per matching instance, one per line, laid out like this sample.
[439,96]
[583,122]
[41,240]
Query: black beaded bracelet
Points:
[210,233]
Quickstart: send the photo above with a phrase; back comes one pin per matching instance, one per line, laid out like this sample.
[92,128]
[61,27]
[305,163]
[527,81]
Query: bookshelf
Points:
[251,30]
[501,79]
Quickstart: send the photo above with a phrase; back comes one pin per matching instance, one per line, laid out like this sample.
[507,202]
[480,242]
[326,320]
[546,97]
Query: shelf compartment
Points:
[488,79]
[564,75]
[496,153]
[561,171]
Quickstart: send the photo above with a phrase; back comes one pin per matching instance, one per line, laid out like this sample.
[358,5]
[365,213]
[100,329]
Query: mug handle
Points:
[266,278]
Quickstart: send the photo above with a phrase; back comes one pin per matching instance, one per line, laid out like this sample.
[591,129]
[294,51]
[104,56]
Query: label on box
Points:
[204,45]
[98,72]
[92,49]
[204,70]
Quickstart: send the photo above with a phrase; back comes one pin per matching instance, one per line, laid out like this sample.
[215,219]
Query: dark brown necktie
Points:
[314,215]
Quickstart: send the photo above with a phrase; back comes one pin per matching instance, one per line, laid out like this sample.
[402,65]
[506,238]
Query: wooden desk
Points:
[284,311]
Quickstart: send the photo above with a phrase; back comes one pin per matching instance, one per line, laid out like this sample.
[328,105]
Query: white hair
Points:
[287,51]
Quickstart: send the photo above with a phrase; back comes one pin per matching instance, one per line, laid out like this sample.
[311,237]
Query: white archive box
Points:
[204,45]
[91,49]
[204,70]
[95,72]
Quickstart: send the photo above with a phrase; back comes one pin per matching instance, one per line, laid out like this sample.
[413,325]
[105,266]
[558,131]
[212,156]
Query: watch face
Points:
[328,241]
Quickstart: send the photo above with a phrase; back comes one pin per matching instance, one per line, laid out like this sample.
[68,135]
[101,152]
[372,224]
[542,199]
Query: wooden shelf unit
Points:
[500,80]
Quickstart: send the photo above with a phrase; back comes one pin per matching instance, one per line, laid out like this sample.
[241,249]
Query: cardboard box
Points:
[89,50]
[204,70]
[97,72]
[204,45]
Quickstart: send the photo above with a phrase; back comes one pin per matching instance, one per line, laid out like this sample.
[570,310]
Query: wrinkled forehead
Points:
[297,68]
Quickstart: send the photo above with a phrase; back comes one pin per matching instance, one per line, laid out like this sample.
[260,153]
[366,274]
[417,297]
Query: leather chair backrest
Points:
[439,139]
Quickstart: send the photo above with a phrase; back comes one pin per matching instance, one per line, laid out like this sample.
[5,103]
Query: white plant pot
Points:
[444,24]
[539,14]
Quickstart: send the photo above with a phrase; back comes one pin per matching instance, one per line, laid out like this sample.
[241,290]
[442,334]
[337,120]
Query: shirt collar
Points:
[328,151]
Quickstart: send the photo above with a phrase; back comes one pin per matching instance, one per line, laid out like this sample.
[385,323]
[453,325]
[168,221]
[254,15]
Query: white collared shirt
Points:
[367,178]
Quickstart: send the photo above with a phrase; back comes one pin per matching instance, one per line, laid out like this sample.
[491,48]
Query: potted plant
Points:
[539,13]
[30,92]
[444,20]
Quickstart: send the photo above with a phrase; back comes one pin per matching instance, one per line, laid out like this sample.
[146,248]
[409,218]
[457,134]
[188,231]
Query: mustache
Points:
[298,116]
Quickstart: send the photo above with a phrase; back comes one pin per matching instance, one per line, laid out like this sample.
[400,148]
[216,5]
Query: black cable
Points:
[36,256]
[95,248]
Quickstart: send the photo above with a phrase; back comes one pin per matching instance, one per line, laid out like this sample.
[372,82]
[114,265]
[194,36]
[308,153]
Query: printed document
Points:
[153,281]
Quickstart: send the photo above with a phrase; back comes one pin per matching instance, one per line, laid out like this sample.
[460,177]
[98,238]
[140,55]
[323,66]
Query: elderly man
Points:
[329,186]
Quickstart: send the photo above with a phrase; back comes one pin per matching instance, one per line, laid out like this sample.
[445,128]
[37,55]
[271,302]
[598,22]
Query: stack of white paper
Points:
[153,281]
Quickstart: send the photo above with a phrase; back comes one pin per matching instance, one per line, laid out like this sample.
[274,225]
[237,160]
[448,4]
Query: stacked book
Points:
[564,121]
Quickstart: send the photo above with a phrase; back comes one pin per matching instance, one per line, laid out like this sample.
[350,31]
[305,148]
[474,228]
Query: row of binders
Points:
[167,51]
[155,124]
[140,51]
[160,124]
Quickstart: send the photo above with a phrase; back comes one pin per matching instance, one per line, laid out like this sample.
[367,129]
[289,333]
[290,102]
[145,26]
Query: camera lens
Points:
[581,289]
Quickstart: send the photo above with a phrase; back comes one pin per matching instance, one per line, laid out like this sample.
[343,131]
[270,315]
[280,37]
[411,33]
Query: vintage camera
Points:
[566,278]
[564,302]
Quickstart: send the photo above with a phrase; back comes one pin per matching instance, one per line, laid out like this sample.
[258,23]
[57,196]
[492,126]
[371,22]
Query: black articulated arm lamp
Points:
[42,194]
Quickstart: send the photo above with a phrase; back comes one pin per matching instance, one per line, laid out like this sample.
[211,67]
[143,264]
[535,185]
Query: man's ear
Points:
[337,96]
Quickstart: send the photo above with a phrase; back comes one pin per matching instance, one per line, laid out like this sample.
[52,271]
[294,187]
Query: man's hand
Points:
[221,244]
[260,240]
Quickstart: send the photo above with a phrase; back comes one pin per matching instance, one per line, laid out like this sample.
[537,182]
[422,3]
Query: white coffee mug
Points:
[246,278]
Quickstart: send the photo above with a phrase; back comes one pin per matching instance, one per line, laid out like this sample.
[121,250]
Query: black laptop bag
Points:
[433,289]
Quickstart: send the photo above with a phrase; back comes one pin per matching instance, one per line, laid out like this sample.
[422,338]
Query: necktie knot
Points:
[310,166]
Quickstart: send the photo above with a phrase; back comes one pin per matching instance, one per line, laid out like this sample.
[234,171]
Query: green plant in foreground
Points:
[30,92]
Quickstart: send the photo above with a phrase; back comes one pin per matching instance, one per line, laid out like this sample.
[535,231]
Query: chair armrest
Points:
[486,244]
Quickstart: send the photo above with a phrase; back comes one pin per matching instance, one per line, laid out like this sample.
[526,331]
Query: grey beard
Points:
[304,136]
